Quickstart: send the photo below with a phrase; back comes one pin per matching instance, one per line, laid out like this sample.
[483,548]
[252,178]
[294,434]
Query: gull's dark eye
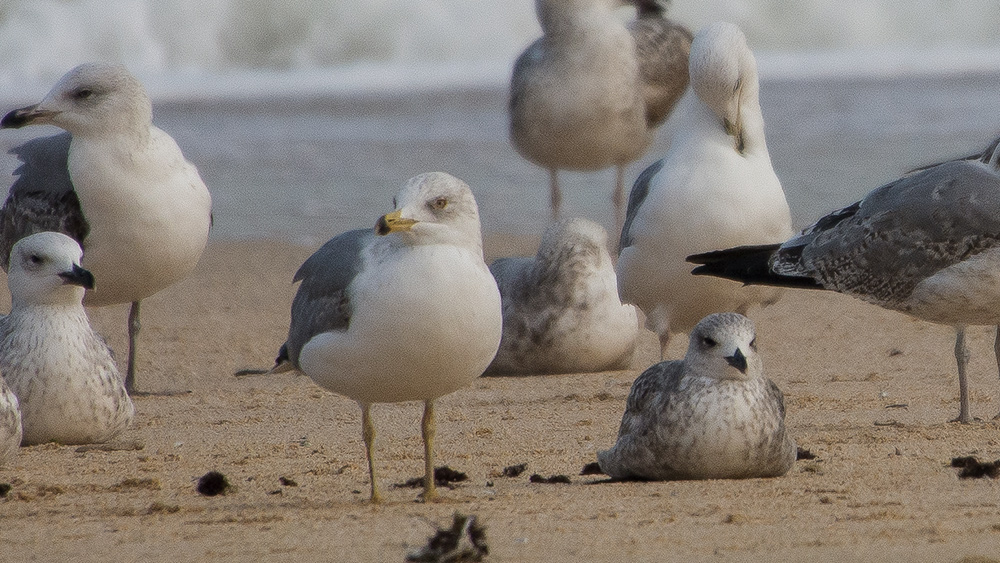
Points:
[709,341]
[83,93]
[439,203]
[35,259]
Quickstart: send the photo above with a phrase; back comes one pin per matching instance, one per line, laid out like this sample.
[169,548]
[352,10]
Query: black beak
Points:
[18,118]
[738,361]
[78,276]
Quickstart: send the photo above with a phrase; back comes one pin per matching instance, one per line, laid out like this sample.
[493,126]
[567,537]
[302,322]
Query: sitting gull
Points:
[407,312]
[10,424]
[714,188]
[62,372]
[561,311]
[114,182]
[712,415]
[591,91]
[927,245]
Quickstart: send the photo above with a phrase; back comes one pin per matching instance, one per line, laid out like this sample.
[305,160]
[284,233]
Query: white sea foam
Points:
[192,48]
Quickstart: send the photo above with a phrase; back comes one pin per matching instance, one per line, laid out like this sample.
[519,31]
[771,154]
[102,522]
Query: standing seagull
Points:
[927,245]
[591,91]
[714,188]
[407,312]
[62,372]
[115,183]
[561,311]
[712,415]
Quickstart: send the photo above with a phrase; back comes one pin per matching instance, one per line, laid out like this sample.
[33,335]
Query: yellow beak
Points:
[393,222]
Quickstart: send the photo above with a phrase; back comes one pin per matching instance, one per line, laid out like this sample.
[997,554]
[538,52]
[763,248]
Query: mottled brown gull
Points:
[115,183]
[10,424]
[591,91]
[406,312]
[927,245]
[714,188]
[561,311]
[62,372]
[712,415]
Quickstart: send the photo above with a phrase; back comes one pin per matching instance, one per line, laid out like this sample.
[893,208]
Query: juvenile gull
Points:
[561,311]
[591,91]
[927,245]
[712,415]
[715,187]
[114,182]
[62,372]
[10,424]
[407,312]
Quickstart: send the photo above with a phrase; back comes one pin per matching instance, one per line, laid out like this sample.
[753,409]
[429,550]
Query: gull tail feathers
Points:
[748,264]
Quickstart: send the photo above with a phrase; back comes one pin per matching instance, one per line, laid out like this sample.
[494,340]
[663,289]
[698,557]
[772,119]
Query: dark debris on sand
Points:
[972,468]
[444,476]
[514,470]
[464,541]
[5,489]
[213,483]
[555,479]
[802,453]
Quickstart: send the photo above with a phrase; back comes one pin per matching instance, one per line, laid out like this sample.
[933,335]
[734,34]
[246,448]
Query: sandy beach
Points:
[869,394]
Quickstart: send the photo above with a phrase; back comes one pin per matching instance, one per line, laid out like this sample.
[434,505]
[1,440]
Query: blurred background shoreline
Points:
[304,117]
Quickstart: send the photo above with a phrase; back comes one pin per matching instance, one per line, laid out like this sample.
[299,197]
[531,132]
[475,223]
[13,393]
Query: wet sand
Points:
[869,393]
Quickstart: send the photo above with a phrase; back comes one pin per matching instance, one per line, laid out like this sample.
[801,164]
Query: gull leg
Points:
[429,430]
[996,352]
[133,335]
[962,358]
[555,196]
[368,433]
[664,341]
[618,197]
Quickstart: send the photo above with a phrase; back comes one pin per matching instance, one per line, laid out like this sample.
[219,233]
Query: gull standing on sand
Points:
[406,312]
[712,415]
[591,91]
[10,424]
[927,245]
[115,183]
[62,372]
[714,188]
[561,311]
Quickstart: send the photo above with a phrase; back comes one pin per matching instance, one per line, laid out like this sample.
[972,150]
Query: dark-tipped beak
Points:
[25,116]
[738,361]
[78,276]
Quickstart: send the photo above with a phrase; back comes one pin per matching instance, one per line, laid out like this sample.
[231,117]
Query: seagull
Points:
[10,424]
[115,183]
[592,90]
[62,372]
[712,415]
[561,311]
[406,312]
[715,187]
[927,244]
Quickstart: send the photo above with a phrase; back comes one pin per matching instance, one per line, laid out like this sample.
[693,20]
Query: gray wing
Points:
[651,390]
[640,189]
[901,233]
[663,48]
[42,197]
[321,304]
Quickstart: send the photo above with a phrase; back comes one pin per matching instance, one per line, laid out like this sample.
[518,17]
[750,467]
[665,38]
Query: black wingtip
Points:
[750,265]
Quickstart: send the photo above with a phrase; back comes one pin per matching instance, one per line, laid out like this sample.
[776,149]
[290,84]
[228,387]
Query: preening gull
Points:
[712,415]
[591,91]
[927,245]
[407,312]
[115,183]
[10,424]
[561,311]
[62,372]
[714,188]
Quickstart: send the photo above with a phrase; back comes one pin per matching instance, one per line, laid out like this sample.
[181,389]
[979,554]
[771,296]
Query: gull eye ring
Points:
[439,203]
